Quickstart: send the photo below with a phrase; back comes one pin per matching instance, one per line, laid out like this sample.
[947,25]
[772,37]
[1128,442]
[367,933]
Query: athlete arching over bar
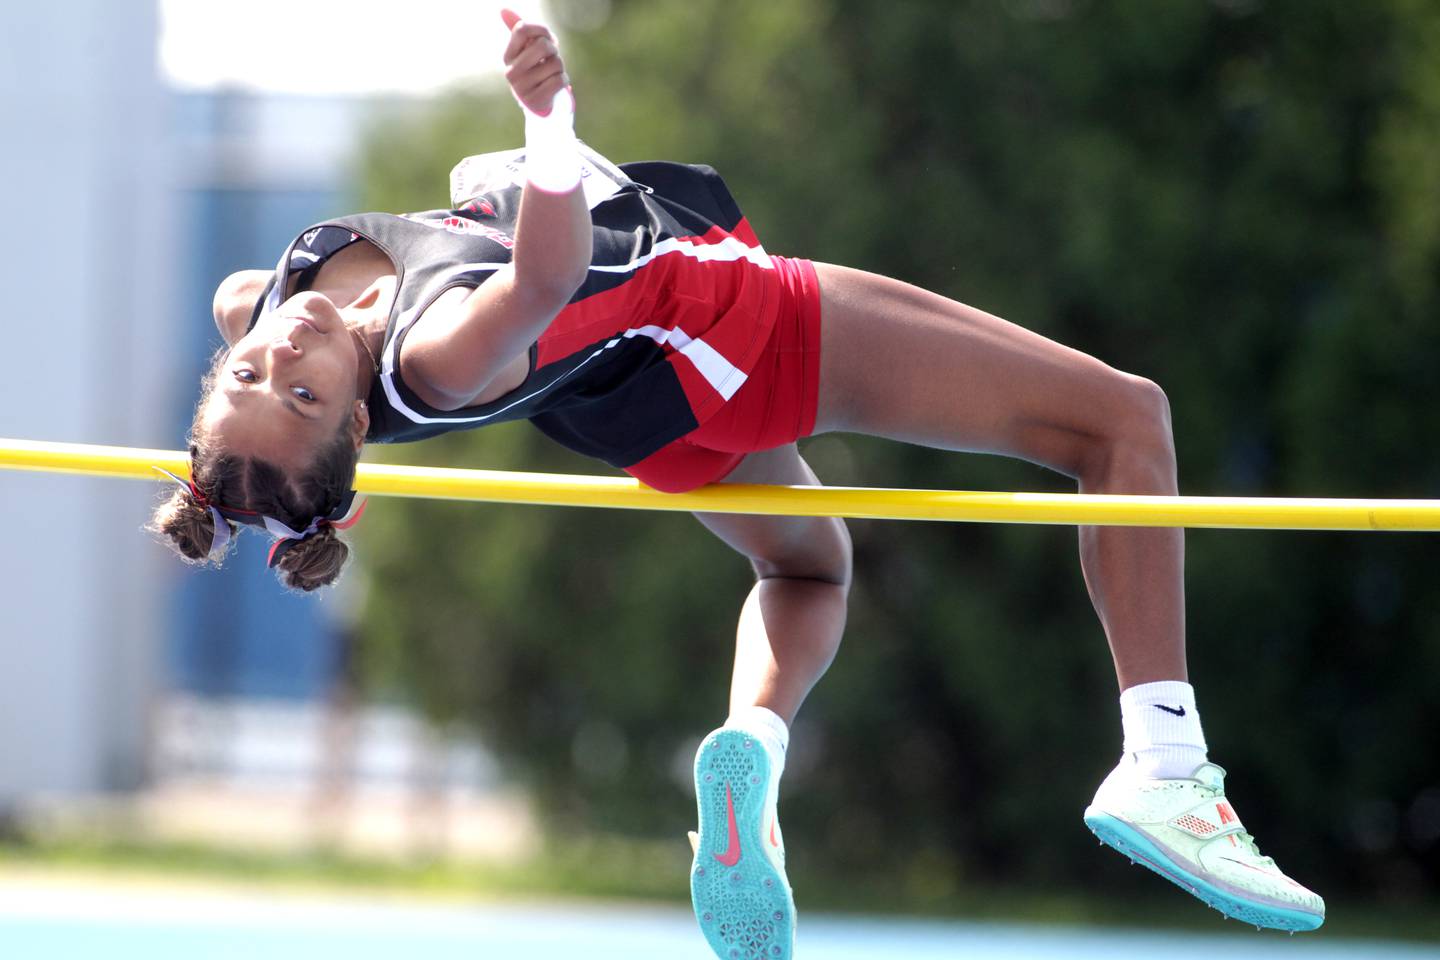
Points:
[631,314]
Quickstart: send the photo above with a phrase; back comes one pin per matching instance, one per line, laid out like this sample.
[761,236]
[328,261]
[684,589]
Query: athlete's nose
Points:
[282,349]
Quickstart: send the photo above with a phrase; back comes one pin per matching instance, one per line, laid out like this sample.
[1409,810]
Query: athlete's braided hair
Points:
[252,484]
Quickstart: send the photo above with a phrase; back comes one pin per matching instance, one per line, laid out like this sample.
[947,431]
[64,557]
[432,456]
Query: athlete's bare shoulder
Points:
[235,301]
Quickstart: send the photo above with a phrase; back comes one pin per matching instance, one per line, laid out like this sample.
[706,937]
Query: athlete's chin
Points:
[315,309]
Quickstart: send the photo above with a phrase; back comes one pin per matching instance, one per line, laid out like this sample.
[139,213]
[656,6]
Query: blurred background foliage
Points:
[1239,199]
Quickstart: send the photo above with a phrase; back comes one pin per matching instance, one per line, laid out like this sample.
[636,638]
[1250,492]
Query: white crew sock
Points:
[1163,738]
[767,726]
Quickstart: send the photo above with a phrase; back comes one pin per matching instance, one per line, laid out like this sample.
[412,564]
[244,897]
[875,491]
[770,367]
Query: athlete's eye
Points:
[303,394]
[244,375]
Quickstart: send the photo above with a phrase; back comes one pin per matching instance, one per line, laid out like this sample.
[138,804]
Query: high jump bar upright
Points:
[1272,513]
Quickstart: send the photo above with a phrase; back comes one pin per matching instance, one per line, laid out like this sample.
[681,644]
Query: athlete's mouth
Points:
[307,322]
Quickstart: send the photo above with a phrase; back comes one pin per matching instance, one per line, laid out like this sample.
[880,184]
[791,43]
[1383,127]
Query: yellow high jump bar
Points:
[1272,513]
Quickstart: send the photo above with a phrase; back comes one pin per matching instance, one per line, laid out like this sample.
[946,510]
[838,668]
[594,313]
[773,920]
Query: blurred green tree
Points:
[1237,199]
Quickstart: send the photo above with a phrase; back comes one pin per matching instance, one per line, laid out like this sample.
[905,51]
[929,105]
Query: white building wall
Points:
[84,249]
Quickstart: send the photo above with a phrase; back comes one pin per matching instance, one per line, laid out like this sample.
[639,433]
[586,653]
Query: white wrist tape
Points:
[552,161]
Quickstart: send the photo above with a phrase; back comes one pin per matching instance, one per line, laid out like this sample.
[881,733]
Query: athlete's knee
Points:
[1134,444]
[1152,427]
[825,553]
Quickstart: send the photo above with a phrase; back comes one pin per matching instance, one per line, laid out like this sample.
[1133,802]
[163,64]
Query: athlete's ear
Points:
[359,424]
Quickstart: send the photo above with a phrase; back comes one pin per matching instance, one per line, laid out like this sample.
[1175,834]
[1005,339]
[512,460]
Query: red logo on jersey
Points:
[481,206]
[467,227]
[462,225]
[458,225]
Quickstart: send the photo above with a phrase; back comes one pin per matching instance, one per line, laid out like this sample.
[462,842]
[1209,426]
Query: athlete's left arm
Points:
[459,346]
[553,232]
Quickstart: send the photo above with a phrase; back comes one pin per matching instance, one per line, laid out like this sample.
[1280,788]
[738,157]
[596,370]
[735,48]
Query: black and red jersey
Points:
[678,303]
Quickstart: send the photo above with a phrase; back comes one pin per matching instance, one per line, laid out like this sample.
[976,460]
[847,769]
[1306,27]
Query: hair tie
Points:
[220,539]
[286,536]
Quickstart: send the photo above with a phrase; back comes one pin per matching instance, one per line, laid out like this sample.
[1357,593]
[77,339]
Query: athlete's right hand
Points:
[533,67]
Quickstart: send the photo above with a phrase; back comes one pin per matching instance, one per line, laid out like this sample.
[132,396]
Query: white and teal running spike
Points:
[1187,831]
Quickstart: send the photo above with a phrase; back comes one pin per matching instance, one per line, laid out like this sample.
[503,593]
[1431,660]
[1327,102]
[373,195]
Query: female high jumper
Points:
[631,314]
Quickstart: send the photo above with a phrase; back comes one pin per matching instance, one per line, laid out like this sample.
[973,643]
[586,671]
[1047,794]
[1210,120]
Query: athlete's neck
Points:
[356,278]
[348,273]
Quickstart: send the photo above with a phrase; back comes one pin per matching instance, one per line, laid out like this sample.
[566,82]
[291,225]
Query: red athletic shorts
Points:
[775,406]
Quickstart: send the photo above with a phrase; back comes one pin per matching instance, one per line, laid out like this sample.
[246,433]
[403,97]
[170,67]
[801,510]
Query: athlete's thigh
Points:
[782,546]
[901,362]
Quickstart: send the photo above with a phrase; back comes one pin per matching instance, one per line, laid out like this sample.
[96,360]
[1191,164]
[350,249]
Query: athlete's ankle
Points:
[1163,736]
[765,724]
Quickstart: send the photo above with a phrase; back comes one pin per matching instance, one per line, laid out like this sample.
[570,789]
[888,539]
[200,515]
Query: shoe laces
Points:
[1249,843]
[1244,838]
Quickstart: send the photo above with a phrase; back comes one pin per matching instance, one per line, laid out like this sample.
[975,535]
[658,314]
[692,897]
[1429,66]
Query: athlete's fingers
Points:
[524,83]
[538,63]
[533,66]
[520,38]
[523,34]
[539,93]
[524,80]
[538,50]
[528,77]
[532,46]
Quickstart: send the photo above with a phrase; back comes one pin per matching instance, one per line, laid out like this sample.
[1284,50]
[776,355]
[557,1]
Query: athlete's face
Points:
[288,385]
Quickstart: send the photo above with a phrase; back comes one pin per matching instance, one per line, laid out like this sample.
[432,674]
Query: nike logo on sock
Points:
[1176,711]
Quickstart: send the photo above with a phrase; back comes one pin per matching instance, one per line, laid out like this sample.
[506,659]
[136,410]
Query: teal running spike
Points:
[737,881]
